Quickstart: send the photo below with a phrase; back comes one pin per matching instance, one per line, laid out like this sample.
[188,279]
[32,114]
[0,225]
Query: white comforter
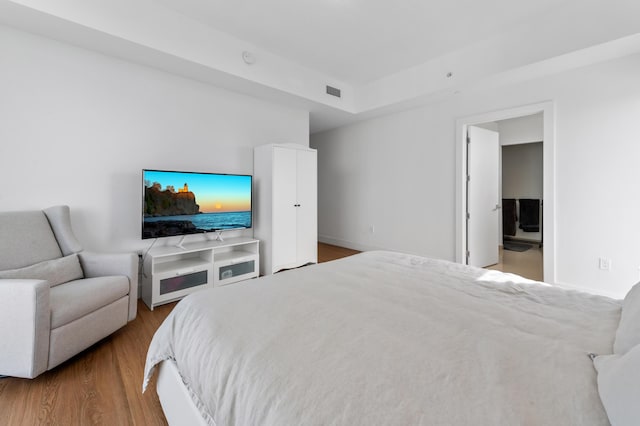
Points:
[385,338]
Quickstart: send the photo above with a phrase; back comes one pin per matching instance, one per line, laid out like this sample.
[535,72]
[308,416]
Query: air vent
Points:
[333,91]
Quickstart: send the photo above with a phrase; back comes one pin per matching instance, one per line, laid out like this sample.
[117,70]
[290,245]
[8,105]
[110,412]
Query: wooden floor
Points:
[527,264]
[102,385]
[328,252]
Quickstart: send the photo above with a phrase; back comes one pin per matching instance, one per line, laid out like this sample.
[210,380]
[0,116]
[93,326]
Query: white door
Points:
[307,195]
[483,204]
[283,235]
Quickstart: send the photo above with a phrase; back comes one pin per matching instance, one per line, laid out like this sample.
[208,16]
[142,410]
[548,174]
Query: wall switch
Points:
[372,229]
[605,264]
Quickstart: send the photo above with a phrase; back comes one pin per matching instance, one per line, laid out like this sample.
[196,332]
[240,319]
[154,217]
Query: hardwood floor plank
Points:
[144,408]
[103,384]
[328,252]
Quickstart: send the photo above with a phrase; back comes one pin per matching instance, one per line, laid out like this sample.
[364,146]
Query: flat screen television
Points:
[182,203]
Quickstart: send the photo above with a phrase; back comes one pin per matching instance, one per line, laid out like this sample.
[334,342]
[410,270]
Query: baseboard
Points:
[346,244]
[366,247]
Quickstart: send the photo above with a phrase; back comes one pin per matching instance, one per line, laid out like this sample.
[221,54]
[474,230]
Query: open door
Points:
[483,203]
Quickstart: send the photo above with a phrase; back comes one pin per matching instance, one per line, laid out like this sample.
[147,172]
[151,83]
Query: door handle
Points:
[497,207]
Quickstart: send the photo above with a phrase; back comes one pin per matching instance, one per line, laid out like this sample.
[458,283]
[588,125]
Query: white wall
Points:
[77,127]
[521,130]
[395,173]
[398,173]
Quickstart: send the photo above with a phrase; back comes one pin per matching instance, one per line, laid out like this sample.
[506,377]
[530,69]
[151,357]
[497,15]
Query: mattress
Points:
[389,338]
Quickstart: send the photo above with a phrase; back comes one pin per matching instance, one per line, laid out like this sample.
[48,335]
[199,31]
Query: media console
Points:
[171,272]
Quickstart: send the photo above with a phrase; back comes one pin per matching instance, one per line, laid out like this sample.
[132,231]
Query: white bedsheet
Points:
[384,338]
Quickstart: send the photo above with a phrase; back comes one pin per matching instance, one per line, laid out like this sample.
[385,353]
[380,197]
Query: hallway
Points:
[528,263]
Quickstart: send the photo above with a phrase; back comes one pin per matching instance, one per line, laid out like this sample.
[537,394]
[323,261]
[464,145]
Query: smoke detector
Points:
[248,58]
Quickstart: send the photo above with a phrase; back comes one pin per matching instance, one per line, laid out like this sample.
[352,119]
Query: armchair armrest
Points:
[105,264]
[25,321]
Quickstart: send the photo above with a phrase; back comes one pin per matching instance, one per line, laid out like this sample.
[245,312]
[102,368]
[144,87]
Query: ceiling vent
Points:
[333,91]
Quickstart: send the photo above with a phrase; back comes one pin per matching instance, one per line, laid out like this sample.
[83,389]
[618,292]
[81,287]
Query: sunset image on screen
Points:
[179,203]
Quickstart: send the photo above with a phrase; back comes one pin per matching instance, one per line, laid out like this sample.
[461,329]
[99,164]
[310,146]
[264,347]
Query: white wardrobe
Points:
[285,192]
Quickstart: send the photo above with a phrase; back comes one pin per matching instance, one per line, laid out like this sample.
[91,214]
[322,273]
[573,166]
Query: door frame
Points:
[549,170]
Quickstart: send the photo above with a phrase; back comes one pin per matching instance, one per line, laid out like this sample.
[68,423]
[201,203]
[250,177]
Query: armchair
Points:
[55,298]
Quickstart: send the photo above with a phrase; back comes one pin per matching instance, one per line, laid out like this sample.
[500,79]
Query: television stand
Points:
[171,272]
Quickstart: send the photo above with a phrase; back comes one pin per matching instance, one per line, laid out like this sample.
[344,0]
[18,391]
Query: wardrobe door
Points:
[284,205]
[307,210]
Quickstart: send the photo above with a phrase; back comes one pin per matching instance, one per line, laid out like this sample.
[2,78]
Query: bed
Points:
[384,338]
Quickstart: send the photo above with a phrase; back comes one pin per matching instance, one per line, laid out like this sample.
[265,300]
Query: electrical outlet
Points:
[605,264]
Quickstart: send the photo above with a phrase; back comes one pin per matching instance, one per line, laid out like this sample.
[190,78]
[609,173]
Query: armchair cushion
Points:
[88,295]
[107,264]
[55,271]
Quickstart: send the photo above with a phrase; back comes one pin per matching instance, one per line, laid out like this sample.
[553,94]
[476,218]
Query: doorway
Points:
[547,233]
[522,198]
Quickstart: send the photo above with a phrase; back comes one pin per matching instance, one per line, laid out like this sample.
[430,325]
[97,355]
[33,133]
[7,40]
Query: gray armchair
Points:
[55,298]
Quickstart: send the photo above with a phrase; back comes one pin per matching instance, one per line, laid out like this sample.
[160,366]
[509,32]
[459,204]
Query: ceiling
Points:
[359,41]
[383,55]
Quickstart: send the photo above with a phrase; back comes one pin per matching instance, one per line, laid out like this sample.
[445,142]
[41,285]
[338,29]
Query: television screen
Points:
[181,203]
